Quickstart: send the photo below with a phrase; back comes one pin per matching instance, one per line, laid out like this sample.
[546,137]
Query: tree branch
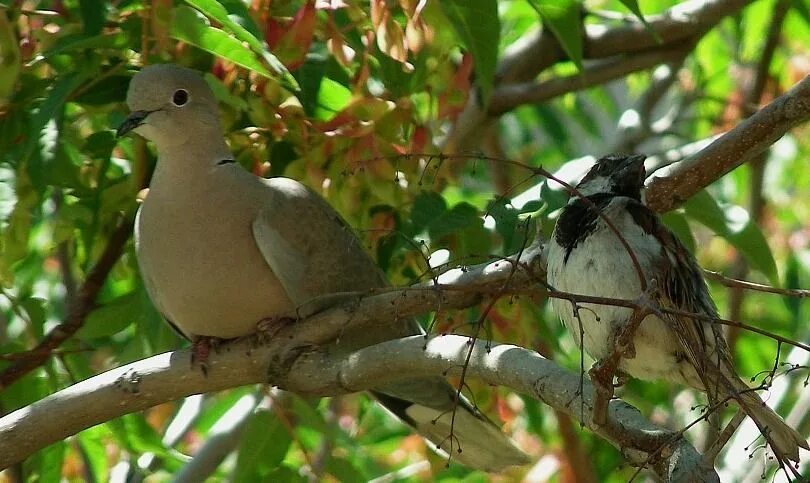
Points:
[81,305]
[737,146]
[537,51]
[509,96]
[155,380]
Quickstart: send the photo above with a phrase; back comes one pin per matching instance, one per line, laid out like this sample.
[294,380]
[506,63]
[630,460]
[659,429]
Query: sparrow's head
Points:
[618,174]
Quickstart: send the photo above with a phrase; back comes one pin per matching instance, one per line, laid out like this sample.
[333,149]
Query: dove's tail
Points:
[427,405]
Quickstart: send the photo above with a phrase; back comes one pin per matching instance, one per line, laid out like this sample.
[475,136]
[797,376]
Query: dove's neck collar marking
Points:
[226,161]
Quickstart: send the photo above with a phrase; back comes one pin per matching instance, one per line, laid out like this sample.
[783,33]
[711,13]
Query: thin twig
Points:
[733,282]
[81,307]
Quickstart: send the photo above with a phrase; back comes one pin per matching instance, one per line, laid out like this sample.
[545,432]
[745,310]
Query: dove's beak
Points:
[132,121]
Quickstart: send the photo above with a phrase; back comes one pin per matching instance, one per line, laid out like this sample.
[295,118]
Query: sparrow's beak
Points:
[635,164]
[636,161]
[132,121]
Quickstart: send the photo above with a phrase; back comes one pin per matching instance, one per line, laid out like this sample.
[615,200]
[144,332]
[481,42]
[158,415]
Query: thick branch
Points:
[522,370]
[748,139]
[155,380]
[507,97]
[540,49]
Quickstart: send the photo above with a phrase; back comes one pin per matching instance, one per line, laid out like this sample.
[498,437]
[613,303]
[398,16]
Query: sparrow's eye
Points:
[180,97]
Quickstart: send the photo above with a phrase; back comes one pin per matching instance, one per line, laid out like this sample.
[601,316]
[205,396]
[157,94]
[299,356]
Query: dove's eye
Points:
[180,97]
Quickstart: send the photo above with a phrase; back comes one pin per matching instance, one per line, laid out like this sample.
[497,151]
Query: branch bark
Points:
[748,139]
[155,380]
[509,96]
[539,50]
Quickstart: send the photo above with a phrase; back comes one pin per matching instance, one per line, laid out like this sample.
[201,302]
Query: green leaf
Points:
[677,223]
[564,18]
[93,13]
[223,94]
[286,474]
[262,447]
[93,442]
[803,10]
[17,228]
[793,280]
[732,223]
[239,12]
[506,222]
[190,27]
[55,100]
[473,240]
[343,470]
[217,12]
[332,98]
[35,308]
[106,91]
[135,434]
[632,5]
[553,123]
[112,317]
[12,61]
[478,27]
[427,207]
[69,43]
[458,217]
[46,464]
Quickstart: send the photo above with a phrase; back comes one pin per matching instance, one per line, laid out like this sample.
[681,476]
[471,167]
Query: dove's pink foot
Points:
[201,349]
[268,327]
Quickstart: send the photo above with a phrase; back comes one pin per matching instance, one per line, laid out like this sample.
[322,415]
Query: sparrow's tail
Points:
[427,405]
[783,439]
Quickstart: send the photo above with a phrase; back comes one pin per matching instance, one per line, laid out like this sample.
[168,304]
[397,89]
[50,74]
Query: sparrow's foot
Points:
[601,374]
[200,350]
[268,327]
[621,379]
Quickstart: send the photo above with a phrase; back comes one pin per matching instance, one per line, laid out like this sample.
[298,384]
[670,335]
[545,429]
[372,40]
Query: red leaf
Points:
[290,40]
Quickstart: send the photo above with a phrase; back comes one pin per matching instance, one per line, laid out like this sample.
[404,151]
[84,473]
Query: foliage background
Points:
[375,81]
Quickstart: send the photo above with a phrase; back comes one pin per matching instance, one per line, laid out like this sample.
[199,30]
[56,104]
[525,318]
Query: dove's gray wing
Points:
[314,253]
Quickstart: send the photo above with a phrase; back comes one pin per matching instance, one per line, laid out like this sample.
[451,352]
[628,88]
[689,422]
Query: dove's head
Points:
[618,174]
[171,106]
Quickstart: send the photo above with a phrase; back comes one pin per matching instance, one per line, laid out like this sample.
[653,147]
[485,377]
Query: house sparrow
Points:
[587,257]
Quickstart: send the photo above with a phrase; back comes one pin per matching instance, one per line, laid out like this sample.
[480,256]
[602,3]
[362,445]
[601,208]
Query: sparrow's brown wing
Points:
[681,287]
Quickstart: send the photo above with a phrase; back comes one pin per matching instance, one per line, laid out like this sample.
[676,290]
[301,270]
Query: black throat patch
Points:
[578,221]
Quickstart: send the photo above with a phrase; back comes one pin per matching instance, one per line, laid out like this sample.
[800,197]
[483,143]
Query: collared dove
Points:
[221,250]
